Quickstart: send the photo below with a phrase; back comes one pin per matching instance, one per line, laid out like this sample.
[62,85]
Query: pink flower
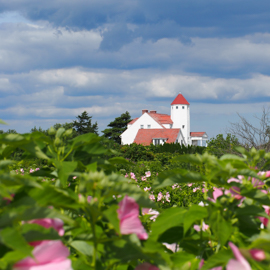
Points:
[257,254]
[217,193]
[144,178]
[189,185]
[55,223]
[239,263]
[132,175]
[146,266]
[31,171]
[198,228]
[167,196]
[49,255]
[126,175]
[160,196]
[265,220]
[128,214]
[148,174]
[152,197]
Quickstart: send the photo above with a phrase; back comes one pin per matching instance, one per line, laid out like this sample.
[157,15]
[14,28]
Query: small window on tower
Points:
[176,107]
[183,107]
[183,126]
[141,126]
[148,126]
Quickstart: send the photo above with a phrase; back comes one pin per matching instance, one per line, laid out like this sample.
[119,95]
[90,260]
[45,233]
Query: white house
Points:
[156,128]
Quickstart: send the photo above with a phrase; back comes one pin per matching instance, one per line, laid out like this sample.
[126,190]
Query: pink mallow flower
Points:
[160,196]
[265,220]
[55,223]
[148,174]
[217,193]
[239,263]
[146,266]
[49,255]
[128,214]
[198,227]
[257,254]
[152,197]
[167,196]
[143,178]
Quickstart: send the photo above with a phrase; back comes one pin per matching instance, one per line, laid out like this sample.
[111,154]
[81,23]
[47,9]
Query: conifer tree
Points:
[84,124]
[117,127]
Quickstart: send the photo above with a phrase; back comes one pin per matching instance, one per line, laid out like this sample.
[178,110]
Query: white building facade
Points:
[152,127]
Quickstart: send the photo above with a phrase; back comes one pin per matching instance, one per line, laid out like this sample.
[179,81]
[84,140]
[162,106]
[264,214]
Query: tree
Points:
[9,131]
[251,135]
[219,146]
[84,124]
[117,127]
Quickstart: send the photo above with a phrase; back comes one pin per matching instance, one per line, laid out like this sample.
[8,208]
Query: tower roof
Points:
[180,100]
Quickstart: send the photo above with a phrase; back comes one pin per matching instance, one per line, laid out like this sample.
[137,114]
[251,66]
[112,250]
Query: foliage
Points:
[117,127]
[80,187]
[84,124]
[219,146]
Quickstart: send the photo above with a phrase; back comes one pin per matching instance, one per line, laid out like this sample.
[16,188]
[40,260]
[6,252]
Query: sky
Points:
[59,58]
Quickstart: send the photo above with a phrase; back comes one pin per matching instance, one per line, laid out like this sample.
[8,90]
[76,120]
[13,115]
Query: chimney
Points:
[144,111]
[153,111]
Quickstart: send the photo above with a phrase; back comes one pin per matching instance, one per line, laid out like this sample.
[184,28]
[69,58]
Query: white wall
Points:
[180,115]
[128,136]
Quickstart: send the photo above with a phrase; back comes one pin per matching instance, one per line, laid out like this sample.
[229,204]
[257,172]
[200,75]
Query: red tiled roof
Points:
[146,136]
[197,134]
[133,121]
[161,118]
[180,100]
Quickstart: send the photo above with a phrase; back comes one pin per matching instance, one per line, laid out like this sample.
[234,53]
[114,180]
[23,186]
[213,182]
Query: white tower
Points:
[180,116]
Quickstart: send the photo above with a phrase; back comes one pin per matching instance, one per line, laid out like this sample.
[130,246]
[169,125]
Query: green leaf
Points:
[181,258]
[221,227]
[111,215]
[83,247]
[256,195]
[6,163]
[14,240]
[169,218]
[219,259]
[195,213]
[65,168]
[32,148]
[2,122]
[193,159]
[177,176]
[53,196]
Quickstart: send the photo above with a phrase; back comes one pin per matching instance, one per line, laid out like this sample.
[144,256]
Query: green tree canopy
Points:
[84,124]
[117,127]
[219,146]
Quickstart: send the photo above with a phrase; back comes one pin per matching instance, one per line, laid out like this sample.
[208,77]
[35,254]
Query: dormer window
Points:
[176,107]
[183,126]
[148,126]
[183,107]
[141,126]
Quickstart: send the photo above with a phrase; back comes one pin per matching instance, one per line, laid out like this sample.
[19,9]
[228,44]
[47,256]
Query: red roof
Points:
[161,118]
[180,100]
[197,134]
[146,136]
[133,121]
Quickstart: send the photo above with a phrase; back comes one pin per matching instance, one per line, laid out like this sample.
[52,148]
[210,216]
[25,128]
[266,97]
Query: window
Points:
[157,142]
[176,107]
[183,107]
[176,140]
[141,126]
[148,126]
[183,126]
